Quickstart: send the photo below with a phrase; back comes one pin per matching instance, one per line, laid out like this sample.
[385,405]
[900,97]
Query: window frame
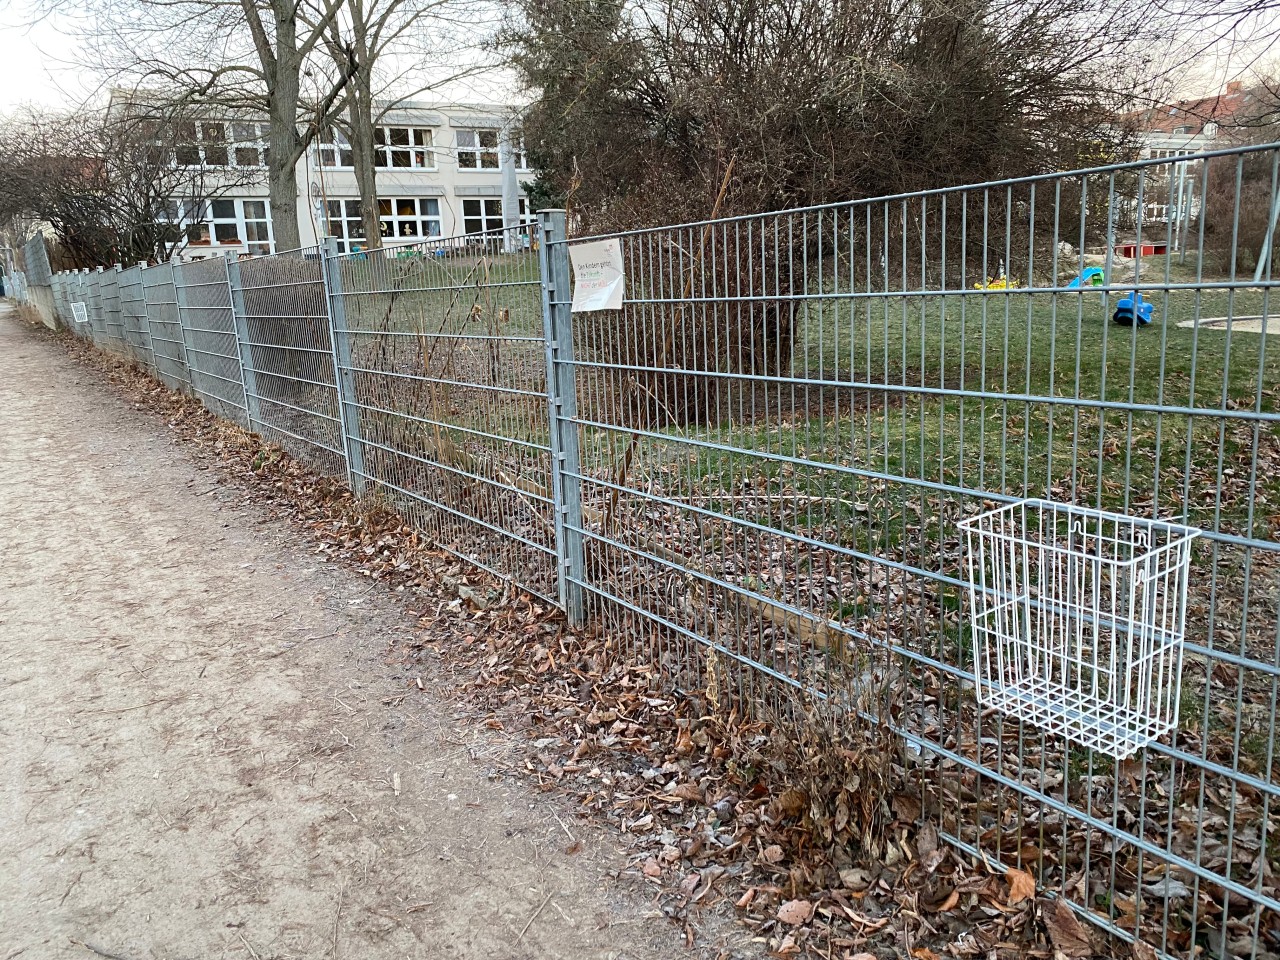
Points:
[429,225]
[207,219]
[385,149]
[477,152]
[207,145]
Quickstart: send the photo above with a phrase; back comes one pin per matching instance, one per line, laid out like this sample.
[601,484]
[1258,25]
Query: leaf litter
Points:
[821,835]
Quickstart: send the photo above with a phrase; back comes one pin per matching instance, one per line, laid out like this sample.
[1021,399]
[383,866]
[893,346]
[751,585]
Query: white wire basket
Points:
[1078,619]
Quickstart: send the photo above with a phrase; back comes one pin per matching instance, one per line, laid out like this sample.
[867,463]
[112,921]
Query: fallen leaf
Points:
[1169,888]
[1066,932]
[687,791]
[652,868]
[1022,885]
[1143,951]
[855,878]
[926,841]
[772,853]
[948,903]
[924,953]
[795,912]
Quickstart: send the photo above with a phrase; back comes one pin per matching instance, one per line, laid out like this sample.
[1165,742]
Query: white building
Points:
[443,170]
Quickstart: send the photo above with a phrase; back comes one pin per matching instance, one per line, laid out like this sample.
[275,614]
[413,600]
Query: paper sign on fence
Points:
[79,312]
[599,283]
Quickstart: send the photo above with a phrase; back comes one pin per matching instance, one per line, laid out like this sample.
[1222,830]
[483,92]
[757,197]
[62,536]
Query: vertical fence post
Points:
[145,325]
[240,325]
[180,305]
[343,377]
[566,488]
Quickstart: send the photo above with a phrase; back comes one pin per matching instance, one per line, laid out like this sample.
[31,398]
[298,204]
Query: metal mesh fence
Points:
[97,312]
[164,327]
[755,471]
[446,373]
[36,258]
[292,395]
[785,422]
[133,316]
[113,317]
[209,333]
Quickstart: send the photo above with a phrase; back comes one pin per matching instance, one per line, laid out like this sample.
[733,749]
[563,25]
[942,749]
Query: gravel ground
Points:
[206,751]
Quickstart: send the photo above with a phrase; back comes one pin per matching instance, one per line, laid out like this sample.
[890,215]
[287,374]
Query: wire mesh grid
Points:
[209,336]
[133,314]
[446,369]
[97,313]
[80,292]
[1078,620]
[112,317]
[164,327]
[290,384]
[783,427]
[769,451]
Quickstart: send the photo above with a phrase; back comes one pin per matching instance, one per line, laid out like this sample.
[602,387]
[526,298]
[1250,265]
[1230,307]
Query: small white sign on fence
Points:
[599,281]
[79,311]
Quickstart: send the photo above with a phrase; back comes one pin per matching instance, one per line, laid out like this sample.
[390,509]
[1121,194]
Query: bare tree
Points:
[109,186]
[376,37]
[236,58]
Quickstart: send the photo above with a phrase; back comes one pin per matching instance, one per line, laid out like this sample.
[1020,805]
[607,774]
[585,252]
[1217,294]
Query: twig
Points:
[529,922]
[92,949]
[248,946]
[572,838]
[136,706]
[337,916]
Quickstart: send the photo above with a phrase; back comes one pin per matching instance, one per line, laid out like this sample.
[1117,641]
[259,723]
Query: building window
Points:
[335,151]
[478,149]
[409,217]
[1182,130]
[481,216]
[345,223]
[249,143]
[229,222]
[207,144]
[404,148]
[518,156]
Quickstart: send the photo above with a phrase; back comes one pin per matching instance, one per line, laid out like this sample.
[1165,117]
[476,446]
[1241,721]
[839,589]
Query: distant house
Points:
[1189,126]
[1170,192]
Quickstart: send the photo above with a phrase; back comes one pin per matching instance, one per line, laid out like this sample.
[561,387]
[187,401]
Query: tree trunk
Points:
[364,157]
[284,86]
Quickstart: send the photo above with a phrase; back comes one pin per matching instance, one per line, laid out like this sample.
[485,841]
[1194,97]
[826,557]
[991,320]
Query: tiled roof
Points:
[1167,118]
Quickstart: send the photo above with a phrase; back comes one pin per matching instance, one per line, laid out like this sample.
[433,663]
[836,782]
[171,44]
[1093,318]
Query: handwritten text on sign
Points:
[599,283]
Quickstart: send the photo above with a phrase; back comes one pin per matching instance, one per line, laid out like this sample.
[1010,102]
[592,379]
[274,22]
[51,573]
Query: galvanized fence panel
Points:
[81,292]
[286,343]
[97,312]
[754,471]
[113,316]
[57,283]
[164,327]
[133,314]
[783,425]
[442,360]
[208,329]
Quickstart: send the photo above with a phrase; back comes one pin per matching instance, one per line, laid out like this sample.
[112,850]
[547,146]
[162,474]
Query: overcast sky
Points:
[39,64]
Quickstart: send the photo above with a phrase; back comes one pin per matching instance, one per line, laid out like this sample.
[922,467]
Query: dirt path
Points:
[204,753]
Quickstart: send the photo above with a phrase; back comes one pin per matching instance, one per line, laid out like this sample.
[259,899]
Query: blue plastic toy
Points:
[1092,277]
[1133,310]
